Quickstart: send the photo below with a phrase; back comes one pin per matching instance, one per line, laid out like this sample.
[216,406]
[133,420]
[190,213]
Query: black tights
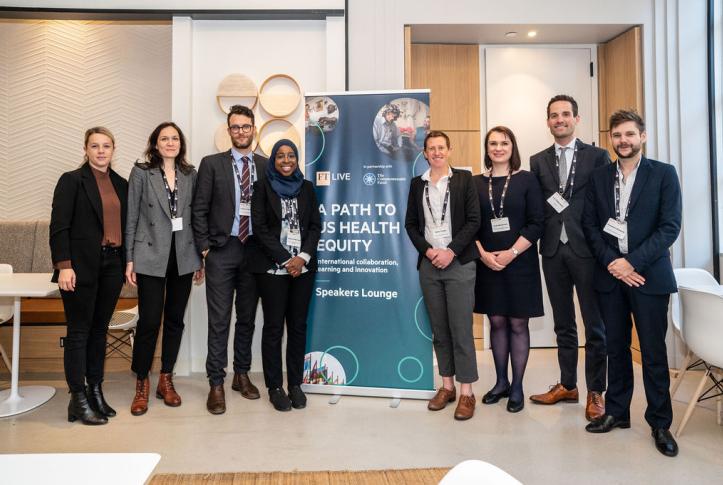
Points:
[510,338]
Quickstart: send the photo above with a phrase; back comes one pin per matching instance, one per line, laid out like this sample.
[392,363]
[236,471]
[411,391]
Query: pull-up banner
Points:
[368,330]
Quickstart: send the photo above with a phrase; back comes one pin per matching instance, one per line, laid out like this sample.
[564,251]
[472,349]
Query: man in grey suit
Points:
[563,171]
[223,230]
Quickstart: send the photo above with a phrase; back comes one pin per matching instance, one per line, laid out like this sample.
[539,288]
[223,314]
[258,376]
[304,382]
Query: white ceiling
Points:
[495,33]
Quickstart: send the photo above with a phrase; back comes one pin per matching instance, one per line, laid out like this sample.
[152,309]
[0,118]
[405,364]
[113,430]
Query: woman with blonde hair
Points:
[86,238]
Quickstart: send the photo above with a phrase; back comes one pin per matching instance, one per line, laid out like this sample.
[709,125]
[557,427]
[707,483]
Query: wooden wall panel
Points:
[620,78]
[465,149]
[452,73]
[407,56]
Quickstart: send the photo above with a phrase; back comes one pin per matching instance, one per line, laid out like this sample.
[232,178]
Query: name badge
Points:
[558,202]
[616,228]
[501,224]
[293,238]
[245,209]
[441,232]
[177,224]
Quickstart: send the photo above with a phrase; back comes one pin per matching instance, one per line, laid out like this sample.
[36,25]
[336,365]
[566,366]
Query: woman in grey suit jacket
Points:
[162,257]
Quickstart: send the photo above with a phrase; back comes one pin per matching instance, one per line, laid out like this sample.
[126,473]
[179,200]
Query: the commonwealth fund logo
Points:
[369,178]
[323,178]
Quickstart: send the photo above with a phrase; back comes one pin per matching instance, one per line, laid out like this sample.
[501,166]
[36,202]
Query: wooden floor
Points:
[421,476]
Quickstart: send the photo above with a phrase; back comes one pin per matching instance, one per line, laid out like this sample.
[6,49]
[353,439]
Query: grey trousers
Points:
[449,298]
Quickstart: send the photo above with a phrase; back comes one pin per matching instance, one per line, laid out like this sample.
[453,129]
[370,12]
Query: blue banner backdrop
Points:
[368,327]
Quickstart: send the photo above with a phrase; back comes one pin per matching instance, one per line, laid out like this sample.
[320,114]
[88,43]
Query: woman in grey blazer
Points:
[162,258]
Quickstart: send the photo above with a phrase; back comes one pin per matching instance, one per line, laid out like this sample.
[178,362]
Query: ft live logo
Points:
[325,178]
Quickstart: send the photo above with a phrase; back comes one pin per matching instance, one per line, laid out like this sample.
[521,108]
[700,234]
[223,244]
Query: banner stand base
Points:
[368,391]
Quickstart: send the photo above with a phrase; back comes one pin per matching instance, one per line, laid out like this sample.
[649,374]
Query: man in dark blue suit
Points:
[631,218]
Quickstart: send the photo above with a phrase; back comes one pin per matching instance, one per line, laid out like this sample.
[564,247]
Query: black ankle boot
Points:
[79,408]
[97,401]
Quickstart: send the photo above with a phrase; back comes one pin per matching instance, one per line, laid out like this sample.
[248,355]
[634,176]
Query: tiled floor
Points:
[539,445]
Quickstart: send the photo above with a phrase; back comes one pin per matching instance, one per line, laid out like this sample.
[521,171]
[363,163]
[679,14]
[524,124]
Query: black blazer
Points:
[266,217]
[214,199]
[653,225]
[464,207]
[542,164]
[76,222]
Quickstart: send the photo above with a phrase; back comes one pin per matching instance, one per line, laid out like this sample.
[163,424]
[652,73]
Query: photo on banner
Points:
[367,325]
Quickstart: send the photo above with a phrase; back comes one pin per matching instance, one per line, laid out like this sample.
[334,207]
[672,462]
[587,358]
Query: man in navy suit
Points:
[631,218]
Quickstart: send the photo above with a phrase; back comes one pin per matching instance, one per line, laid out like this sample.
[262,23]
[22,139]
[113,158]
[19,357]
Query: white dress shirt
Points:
[626,189]
[436,201]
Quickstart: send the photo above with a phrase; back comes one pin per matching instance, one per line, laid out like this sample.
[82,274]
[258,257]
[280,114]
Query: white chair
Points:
[688,278]
[703,333]
[123,322]
[476,471]
[6,313]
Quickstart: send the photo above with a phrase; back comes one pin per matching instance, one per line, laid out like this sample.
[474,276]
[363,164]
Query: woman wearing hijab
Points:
[287,226]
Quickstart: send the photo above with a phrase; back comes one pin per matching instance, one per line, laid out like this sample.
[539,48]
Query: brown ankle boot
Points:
[140,400]
[166,391]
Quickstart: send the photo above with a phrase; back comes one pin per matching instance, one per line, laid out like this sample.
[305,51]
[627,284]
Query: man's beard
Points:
[634,150]
[242,145]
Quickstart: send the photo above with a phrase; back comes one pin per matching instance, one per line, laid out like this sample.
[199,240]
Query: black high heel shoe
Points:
[79,408]
[97,401]
[492,397]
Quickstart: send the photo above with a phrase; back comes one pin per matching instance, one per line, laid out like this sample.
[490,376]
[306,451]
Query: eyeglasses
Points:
[243,128]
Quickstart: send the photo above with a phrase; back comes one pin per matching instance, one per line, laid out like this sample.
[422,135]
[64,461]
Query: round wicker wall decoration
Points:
[240,88]
[275,130]
[280,95]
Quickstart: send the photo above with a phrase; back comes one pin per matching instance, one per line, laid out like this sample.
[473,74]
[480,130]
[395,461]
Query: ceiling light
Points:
[511,35]
[532,33]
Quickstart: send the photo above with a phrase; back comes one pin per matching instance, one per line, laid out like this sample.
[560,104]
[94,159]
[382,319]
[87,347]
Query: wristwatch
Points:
[515,251]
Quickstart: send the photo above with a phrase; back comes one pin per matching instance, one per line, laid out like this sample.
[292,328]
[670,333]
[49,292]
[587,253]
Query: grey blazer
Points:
[148,229]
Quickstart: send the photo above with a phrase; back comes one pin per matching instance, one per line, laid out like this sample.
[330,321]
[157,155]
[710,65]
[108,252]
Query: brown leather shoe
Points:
[140,400]
[166,391]
[243,384]
[465,407]
[216,402]
[556,394]
[440,400]
[595,408]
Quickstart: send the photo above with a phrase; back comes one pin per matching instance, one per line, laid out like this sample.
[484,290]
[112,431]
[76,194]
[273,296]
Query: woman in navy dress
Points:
[508,288]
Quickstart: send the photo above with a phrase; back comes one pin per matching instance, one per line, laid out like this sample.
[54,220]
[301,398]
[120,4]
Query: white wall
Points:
[59,78]
[674,57]
[206,51]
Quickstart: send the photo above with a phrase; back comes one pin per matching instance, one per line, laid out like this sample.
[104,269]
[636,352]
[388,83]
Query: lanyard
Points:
[444,204]
[245,197]
[502,197]
[571,178]
[617,197]
[172,195]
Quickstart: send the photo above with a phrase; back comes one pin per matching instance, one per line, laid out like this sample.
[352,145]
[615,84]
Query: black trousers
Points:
[88,311]
[563,272]
[651,322]
[164,296]
[284,298]
[226,273]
